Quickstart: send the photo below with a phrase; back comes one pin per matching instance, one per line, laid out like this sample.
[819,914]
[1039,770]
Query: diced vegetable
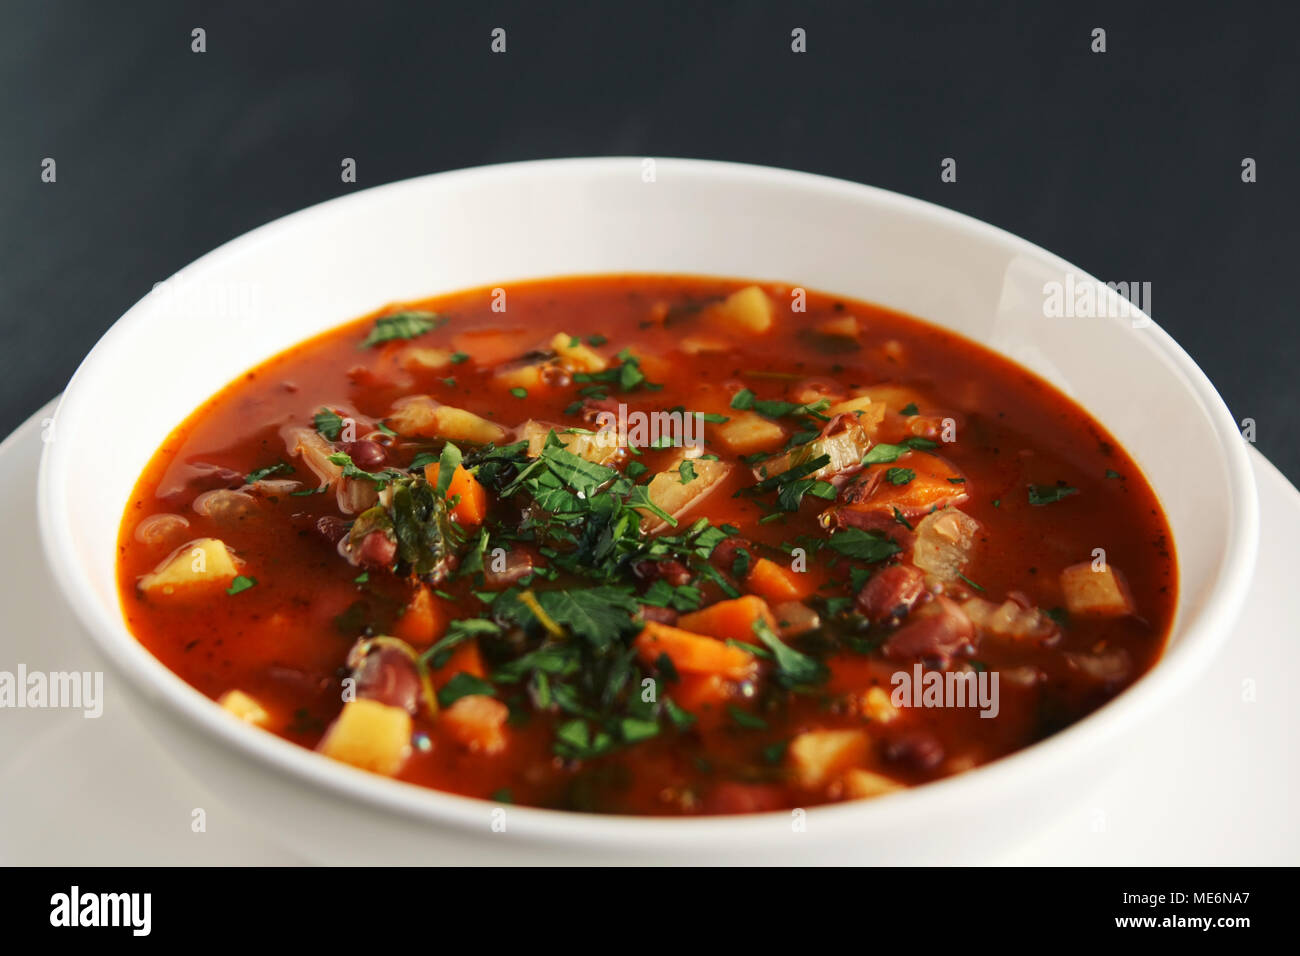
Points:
[895,398]
[420,415]
[600,446]
[693,653]
[915,484]
[877,706]
[576,356]
[777,583]
[844,326]
[477,722]
[457,424]
[866,412]
[527,376]
[246,708]
[432,360]
[944,541]
[845,449]
[423,621]
[748,432]
[471,508]
[465,659]
[732,619]
[667,491]
[748,310]
[703,696]
[702,344]
[861,784]
[203,563]
[818,757]
[369,735]
[1096,593]
[1009,619]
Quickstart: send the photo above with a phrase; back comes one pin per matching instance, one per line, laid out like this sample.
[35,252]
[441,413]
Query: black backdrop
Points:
[1127,163]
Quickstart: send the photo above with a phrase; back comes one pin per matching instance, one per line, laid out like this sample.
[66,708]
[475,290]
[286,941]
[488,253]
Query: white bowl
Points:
[320,267]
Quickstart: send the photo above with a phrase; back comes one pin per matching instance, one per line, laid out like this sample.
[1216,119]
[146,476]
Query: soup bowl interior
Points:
[315,269]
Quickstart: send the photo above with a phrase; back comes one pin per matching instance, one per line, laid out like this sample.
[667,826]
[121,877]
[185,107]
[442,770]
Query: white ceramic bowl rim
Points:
[981,786]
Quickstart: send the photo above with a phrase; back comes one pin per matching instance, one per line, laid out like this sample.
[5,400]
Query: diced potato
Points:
[244,707]
[1009,619]
[519,376]
[478,722]
[694,653]
[944,541]
[700,344]
[205,562]
[746,310]
[577,358]
[894,397]
[456,424]
[414,415]
[732,619]
[369,735]
[1090,593]
[746,433]
[862,784]
[429,359]
[667,491]
[877,706]
[818,757]
[868,413]
[845,326]
[600,446]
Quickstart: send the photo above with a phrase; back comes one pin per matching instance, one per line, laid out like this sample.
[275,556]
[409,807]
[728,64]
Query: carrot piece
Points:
[477,723]
[465,659]
[471,509]
[776,583]
[703,696]
[423,621]
[693,653]
[732,619]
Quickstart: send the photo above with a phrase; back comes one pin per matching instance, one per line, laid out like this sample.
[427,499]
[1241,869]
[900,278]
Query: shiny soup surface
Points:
[648,544]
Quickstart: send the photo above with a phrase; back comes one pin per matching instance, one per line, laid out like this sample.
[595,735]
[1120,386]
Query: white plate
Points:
[1210,781]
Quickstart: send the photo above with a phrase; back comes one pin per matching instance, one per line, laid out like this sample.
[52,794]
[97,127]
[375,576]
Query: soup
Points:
[648,545]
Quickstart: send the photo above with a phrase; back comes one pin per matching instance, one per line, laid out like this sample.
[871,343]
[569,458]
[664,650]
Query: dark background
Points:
[1127,163]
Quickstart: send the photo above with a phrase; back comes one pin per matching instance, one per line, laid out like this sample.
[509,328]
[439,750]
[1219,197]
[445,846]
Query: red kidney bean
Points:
[366,454]
[724,555]
[661,615]
[377,550]
[936,633]
[891,593]
[389,676]
[331,528]
[917,749]
[670,569]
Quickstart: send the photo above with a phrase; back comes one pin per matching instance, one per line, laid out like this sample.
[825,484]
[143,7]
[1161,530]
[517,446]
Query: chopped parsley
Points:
[402,325]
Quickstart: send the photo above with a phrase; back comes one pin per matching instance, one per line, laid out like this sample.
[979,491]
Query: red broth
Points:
[889,514]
